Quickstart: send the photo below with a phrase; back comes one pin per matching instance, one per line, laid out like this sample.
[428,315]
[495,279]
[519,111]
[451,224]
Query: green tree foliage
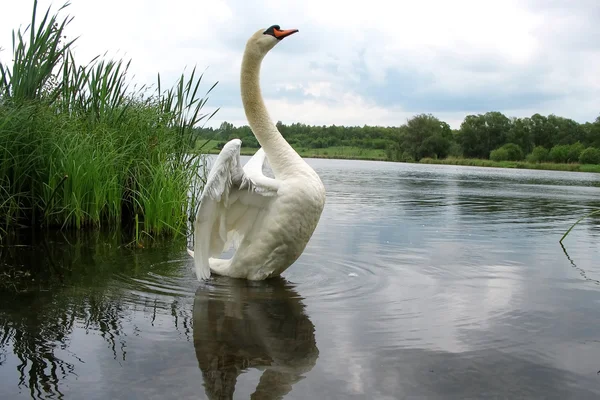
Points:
[538,155]
[591,155]
[519,133]
[426,136]
[307,136]
[542,138]
[564,130]
[591,133]
[540,134]
[559,153]
[575,151]
[508,152]
[480,134]
[564,153]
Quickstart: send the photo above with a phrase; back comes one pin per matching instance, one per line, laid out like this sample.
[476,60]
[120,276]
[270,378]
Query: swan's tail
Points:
[202,269]
[217,265]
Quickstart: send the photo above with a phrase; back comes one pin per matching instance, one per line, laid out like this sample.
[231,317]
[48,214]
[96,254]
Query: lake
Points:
[421,281]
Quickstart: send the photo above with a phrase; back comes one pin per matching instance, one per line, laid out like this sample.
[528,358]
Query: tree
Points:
[508,152]
[435,146]
[564,153]
[591,155]
[591,133]
[497,127]
[225,130]
[539,133]
[480,134]
[559,153]
[574,152]
[538,155]
[471,131]
[520,134]
[563,130]
[426,136]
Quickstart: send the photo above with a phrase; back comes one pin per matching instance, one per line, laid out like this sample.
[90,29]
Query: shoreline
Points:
[467,162]
[547,166]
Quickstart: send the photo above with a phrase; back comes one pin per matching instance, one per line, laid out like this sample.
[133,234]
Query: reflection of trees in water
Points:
[503,196]
[45,370]
[262,325]
[104,314]
[182,320]
[38,330]
[70,289]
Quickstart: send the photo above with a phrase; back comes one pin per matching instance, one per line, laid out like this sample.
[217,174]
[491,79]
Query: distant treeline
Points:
[486,136]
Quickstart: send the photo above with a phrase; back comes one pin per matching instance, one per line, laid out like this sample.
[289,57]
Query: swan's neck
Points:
[282,157]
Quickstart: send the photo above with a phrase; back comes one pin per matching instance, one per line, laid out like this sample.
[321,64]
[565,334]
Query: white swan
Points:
[269,221]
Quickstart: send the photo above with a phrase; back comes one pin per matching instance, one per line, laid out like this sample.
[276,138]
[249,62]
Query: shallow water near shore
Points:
[430,281]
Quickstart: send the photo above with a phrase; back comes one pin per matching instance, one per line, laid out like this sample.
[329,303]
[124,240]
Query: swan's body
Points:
[269,221]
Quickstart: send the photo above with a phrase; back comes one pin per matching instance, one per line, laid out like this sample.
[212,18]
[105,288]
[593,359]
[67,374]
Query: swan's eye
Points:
[271,30]
[278,33]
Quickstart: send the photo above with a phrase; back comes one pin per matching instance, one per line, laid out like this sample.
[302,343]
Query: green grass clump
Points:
[79,147]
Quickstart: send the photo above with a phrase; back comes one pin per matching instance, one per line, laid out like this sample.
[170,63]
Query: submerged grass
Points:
[80,148]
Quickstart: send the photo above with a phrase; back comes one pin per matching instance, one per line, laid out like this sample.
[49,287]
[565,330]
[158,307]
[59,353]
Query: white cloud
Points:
[375,62]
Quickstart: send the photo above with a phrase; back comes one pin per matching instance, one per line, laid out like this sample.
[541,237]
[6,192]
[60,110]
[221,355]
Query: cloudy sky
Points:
[372,62]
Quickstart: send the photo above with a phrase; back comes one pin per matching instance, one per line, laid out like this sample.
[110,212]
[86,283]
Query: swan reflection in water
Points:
[241,324]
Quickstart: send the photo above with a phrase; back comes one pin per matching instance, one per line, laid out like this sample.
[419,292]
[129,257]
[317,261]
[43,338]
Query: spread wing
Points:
[230,205]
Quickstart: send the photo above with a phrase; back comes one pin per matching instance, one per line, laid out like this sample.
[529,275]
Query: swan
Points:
[268,221]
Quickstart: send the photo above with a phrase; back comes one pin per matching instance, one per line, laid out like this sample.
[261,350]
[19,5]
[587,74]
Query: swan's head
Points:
[265,39]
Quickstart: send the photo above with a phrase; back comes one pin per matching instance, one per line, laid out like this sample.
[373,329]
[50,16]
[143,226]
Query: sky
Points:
[375,63]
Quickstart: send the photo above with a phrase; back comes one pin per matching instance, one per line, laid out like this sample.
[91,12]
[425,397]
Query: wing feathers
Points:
[230,204]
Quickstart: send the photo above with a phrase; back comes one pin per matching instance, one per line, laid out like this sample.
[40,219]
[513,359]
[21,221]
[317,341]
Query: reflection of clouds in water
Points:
[418,292]
[426,308]
[341,357]
[413,306]
[450,272]
[554,327]
[482,374]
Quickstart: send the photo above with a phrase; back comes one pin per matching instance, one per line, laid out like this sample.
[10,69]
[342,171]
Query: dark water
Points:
[420,282]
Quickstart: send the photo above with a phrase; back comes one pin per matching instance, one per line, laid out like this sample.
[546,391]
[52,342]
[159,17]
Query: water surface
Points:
[420,280]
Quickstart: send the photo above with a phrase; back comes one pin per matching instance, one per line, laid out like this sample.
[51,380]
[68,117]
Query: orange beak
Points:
[280,34]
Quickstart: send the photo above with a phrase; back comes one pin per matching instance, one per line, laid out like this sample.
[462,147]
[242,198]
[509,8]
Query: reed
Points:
[80,147]
[595,212]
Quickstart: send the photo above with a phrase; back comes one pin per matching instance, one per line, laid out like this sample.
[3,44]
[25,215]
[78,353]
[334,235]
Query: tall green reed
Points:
[34,61]
[80,148]
[595,212]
